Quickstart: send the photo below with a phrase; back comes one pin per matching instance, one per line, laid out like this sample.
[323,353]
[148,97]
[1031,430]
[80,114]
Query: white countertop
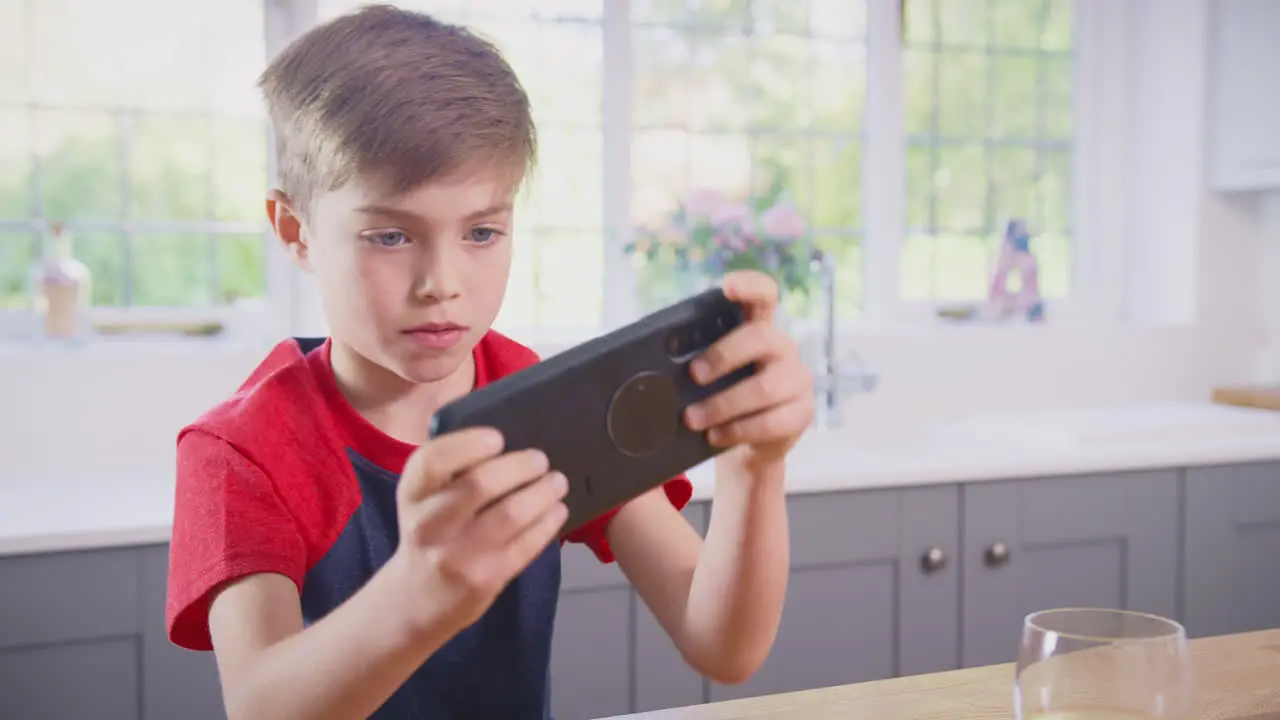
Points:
[46,515]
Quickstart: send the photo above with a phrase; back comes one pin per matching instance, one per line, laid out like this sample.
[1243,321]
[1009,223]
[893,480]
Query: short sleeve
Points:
[228,522]
[679,491]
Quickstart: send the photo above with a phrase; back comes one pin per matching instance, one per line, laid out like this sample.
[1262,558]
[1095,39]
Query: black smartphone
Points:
[609,413]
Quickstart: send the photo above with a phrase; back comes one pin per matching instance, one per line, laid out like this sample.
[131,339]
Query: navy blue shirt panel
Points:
[496,668]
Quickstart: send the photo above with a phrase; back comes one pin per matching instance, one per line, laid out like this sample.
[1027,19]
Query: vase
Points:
[60,290]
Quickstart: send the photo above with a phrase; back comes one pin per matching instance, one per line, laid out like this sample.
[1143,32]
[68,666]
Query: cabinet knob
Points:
[997,554]
[933,560]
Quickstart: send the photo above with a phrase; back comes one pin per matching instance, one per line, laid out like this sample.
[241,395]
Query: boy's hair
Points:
[393,97]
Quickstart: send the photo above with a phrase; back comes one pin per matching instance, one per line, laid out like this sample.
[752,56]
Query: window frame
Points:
[1098,98]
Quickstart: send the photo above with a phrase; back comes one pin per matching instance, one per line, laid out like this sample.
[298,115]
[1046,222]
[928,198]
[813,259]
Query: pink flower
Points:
[702,205]
[731,215]
[782,221]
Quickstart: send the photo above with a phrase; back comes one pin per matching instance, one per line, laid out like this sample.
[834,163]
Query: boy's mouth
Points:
[438,336]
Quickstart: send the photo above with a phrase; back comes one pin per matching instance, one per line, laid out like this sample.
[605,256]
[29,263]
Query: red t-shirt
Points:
[285,477]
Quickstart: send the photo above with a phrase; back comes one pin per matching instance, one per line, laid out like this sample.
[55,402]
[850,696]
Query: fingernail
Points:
[715,436]
[695,416]
[561,483]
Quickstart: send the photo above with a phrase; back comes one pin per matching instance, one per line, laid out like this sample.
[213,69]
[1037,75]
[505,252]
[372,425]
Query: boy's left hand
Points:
[767,412]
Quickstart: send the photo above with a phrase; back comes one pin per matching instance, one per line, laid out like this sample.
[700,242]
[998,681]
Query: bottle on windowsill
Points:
[60,289]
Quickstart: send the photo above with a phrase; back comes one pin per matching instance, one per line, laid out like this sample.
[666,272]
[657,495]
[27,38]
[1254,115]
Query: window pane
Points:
[962,94]
[963,22]
[1055,85]
[81,173]
[917,267]
[838,88]
[18,251]
[1055,192]
[774,106]
[722,97]
[1059,27]
[242,267]
[659,173]
[172,270]
[567,188]
[143,115]
[1014,186]
[660,84]
[239,170]
[996,78]
[961,186]
[13,51]
[837,18]
[169,167]
[569,268]
[1015,96]
[920,95]
[961,266]
[565,77]
[1018,24]
[789,17]
[837,183]
[920,174]
[15,163]
[780,81]
[104,254]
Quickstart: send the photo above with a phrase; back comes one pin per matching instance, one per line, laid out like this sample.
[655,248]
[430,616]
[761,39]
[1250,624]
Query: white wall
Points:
[110,410]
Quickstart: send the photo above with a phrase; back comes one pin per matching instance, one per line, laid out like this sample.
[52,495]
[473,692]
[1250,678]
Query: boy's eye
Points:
[481,236]
[388,238]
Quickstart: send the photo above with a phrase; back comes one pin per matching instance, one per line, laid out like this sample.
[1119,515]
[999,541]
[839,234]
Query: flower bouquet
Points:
[710,234]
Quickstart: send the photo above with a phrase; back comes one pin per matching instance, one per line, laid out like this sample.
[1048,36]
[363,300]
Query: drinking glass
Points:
[1101,664]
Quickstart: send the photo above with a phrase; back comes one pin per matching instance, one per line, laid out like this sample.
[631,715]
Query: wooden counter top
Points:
[1237,678]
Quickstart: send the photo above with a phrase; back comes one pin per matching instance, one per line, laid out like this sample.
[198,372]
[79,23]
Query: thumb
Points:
[438,460]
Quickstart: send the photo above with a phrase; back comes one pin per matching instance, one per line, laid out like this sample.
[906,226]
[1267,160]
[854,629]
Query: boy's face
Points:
[412,282]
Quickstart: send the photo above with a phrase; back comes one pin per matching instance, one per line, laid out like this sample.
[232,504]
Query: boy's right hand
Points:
[461,540]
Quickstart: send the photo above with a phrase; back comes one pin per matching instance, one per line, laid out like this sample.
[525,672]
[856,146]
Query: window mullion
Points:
[619,294]
[884,164]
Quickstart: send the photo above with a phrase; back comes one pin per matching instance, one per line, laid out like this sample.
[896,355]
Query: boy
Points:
[343,565]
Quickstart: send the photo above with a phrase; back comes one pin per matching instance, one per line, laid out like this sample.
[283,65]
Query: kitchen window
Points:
[907,134]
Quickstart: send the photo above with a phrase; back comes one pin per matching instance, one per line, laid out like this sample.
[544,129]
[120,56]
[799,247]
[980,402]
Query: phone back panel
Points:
[609,412]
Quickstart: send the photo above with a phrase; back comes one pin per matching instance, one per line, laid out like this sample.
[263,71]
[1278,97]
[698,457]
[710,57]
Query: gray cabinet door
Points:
[662,678]
[591,646]
[1231,577]
[69,636]
[1093,540]
[860,605]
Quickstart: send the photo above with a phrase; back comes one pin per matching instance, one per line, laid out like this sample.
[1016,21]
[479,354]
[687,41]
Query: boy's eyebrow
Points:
[406,215]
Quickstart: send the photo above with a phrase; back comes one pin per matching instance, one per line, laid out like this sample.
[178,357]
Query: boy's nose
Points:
[438,276]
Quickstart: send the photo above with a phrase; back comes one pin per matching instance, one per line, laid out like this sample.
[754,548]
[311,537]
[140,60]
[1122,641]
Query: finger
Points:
[477,487]
[777,423]
[500,523]
[776,384]
[752,342]
[756,290]
[439,459]
[531,542]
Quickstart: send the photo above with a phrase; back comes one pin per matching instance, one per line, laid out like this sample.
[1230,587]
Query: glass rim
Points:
[1174,629]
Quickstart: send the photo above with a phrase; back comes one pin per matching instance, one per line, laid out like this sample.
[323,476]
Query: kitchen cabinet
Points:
[1231,566]
[884,582]
[609,655]
[82,635]
[1107,540]
[1244,121]
[866,598]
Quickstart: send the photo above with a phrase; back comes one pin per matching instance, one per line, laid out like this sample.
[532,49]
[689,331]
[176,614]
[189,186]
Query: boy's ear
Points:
[288,227]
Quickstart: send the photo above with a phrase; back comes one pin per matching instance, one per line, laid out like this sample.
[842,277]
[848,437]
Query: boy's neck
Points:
[398,407]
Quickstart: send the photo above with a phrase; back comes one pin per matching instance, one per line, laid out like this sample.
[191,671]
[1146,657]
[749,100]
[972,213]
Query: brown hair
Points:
[394,97]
